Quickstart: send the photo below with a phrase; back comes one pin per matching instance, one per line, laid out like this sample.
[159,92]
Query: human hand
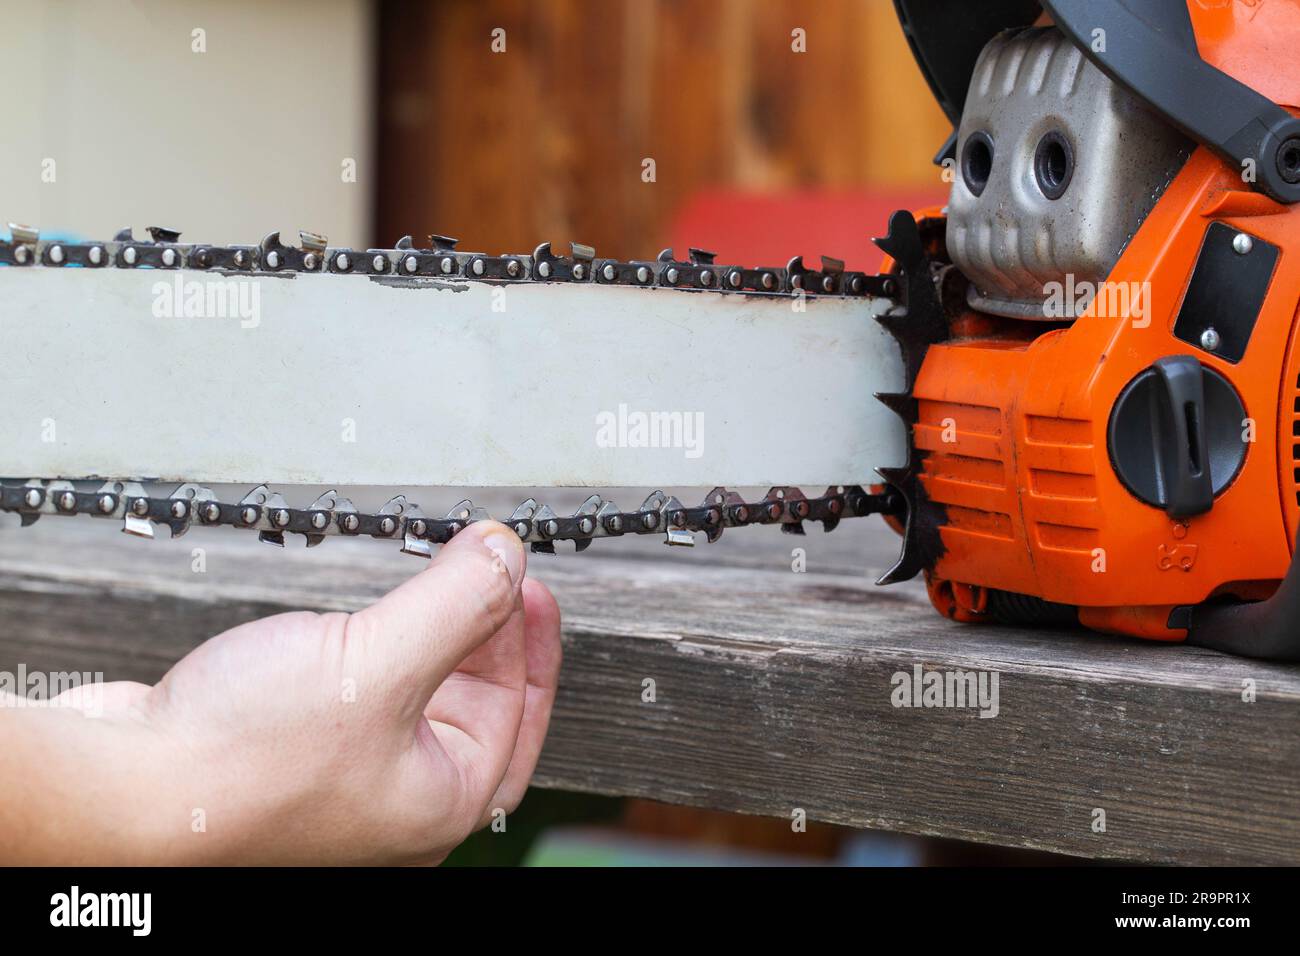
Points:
[383,736]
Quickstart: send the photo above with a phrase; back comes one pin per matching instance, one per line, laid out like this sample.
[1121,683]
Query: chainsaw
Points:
[1074,390]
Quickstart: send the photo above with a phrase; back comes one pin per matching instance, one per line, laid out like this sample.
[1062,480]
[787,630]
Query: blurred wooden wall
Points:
[547,140]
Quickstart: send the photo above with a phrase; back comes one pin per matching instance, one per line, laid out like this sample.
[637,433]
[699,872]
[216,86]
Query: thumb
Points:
[417,634]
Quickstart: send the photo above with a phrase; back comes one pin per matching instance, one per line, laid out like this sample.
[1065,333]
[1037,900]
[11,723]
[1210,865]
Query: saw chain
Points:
[268,513]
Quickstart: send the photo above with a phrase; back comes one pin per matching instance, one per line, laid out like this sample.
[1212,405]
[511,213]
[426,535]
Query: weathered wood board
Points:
[773,689]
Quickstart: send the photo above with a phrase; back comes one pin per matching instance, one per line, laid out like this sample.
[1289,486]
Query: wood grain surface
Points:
[772,688]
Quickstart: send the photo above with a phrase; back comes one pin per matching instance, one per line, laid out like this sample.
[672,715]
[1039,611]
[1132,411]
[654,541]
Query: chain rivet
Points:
[67,501]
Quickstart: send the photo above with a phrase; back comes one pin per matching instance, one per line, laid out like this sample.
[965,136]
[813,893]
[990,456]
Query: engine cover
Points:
[1057,167]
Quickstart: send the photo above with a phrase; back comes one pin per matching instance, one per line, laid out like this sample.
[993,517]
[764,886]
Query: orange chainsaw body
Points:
[1011,429]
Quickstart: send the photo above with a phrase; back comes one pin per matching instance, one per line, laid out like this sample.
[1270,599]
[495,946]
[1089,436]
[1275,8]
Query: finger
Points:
[475,713]
[543,653]
[417,634]
[96,698]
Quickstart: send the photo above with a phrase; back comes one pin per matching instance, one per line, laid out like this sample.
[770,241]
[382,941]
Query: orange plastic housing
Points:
[1033,504]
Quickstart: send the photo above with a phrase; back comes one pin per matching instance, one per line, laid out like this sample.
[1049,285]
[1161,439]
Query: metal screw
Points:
[579,271]
[1242,244]
[512,268]
[342,262]
[56,254]
[409,264]
[349,523]
[129,255]
[210,512]
[379,264]
[309,261]
[1210,339]
[521,528]
[169,257]
[544,270]
[642,274]
[608,273]
[140,506]
[387,525]
[448,265]
[106,504]
[671,276]
[279,517]
[477,267]
[67,501]
[248,515]
[32,498]
[319,520]
[273,260]
[179,509]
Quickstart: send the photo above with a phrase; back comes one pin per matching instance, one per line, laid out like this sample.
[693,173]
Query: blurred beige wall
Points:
[226,145]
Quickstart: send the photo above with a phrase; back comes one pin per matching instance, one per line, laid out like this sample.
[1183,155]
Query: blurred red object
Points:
[766,229]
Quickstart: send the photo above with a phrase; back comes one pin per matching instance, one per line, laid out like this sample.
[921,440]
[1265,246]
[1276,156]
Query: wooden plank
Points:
[773,688]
